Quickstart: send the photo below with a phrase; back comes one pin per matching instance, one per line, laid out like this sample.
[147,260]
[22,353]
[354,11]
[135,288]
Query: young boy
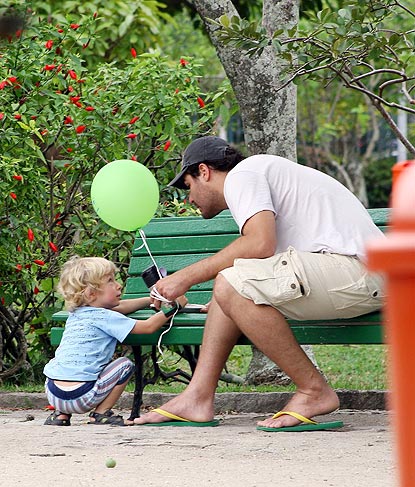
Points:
[81,377]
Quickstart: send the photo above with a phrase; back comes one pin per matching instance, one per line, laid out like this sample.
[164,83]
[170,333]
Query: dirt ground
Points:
[232,454]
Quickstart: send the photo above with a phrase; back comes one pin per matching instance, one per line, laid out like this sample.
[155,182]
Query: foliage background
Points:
[63,117]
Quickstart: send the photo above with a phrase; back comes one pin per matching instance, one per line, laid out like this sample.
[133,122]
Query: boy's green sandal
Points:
[54,420]
[108,418]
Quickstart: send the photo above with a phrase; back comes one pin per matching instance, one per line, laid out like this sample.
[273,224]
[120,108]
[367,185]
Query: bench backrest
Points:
[176,242]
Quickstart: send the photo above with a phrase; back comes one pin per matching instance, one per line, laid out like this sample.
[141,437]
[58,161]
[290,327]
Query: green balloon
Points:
[125,194]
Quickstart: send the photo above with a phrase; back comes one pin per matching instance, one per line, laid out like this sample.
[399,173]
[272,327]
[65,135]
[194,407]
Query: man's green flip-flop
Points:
[308,424]
[178,421]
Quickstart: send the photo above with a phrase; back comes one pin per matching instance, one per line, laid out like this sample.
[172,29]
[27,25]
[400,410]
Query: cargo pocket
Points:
[269,281]
[364,295]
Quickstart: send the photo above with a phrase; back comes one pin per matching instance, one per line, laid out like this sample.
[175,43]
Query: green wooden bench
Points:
[178,242]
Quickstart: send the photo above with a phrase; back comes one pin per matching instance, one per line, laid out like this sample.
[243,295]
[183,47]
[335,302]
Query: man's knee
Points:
[223,292]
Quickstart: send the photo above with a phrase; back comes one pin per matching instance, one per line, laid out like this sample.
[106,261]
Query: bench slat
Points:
[184,244]
[188,226]
[305,334]
[170,262]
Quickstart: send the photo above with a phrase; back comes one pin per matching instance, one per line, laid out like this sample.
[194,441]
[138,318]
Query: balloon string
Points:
[155,294]
[143,238]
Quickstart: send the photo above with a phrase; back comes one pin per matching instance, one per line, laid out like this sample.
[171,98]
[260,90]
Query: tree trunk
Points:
[268,116]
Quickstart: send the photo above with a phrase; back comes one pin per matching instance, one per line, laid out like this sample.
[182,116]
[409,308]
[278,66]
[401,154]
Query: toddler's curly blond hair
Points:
[80,273]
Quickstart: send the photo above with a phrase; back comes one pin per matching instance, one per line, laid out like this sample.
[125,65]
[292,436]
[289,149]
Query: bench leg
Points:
[139,382]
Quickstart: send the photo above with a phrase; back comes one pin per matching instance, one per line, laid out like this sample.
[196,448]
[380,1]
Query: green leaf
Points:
[224,20]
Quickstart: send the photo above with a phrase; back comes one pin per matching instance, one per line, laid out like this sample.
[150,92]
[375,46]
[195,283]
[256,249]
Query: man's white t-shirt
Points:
[313,211]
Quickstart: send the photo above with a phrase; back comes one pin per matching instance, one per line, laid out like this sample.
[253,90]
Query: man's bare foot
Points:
[306,405]
[182,406]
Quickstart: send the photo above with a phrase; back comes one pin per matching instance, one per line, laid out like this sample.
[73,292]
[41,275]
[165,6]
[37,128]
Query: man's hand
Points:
[170,287]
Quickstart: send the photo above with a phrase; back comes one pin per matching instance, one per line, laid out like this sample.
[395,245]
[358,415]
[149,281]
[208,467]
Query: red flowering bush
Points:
[60,122]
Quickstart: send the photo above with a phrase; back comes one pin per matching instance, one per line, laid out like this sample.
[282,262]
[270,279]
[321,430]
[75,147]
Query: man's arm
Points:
[258,241]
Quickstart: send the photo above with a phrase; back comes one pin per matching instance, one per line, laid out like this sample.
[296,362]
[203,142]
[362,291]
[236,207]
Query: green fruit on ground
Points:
[110,463]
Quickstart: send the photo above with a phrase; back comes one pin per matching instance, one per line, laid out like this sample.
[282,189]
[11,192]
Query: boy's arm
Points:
[127,306]
[150,325]
[156,321]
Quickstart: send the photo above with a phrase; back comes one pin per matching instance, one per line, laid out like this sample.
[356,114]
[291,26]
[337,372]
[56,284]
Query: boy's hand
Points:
[182,301]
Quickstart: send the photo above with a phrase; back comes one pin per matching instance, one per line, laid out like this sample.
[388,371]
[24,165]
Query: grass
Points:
[353,367]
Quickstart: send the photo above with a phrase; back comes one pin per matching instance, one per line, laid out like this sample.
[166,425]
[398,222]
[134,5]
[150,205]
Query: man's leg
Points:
[196,402]
[269,331]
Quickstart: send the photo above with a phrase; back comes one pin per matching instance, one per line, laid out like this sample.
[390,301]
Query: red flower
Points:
[68,120]
[133,52]
[12,79]
[95,15]
[18,177]
[89,109]
[39,262]
[69,149]
[131,136]
[72,74]
[183,62]
[13,196]
[133,158]
[30,235]
[19,267]
[167,145]
[3,84]
[49,67]
[133,120]
[48,44]
[201,102]
[3,301]
[176,90]
[74,99]
[1,116]
[17,116]
[80,129]
[74,26]
[35,290]
[53,247]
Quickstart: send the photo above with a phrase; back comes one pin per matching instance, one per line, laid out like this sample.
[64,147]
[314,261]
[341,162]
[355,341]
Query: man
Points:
[300,255]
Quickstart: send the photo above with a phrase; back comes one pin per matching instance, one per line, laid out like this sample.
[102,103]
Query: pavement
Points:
[360,454]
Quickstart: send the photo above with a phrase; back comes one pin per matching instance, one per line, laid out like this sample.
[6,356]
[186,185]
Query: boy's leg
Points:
[111,384]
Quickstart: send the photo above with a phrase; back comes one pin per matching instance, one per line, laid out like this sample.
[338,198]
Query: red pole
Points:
[395,257]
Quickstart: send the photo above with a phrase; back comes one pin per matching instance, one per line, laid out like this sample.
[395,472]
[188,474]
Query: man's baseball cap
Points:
[205,149]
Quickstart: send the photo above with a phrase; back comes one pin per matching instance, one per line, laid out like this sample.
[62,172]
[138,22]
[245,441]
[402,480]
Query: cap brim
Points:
[178,181]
